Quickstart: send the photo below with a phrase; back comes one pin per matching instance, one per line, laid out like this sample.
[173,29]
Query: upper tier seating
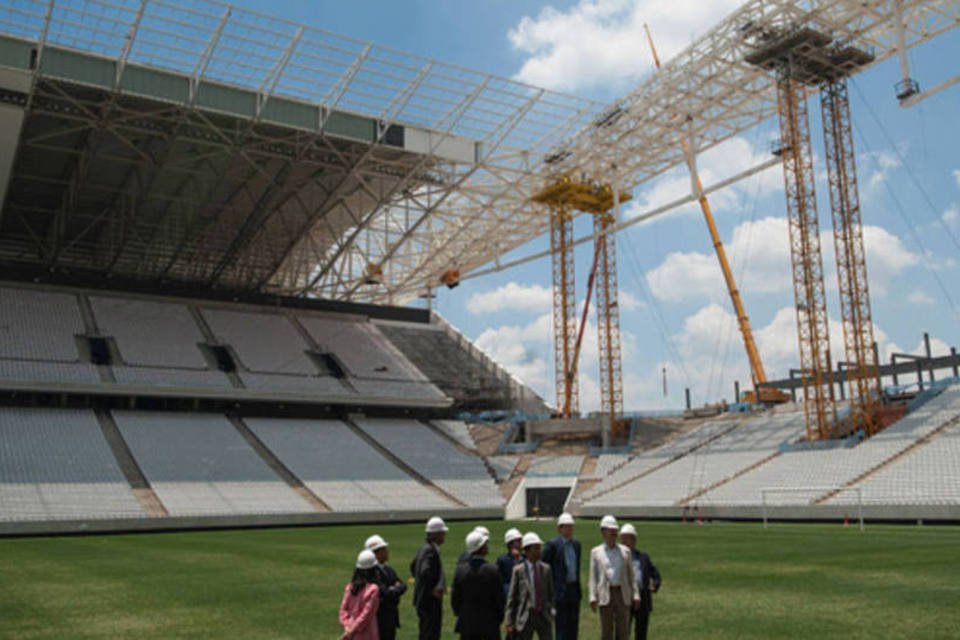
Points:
[199,464]
[152,334]
[463,476]
[264,342]
[39,325]
[341,468]
[55,464]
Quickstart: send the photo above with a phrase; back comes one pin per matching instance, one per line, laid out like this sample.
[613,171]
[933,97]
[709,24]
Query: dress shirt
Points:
[614,564]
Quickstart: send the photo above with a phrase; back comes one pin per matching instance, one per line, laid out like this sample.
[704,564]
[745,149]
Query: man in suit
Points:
[429,584]
[391,589]
[477,598]
[648,580]
[514,556]
[613,586]
[530,605]
[563,555]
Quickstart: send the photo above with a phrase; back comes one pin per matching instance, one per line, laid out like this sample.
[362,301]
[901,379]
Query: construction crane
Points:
[803,59]
[758,374]
[565,196]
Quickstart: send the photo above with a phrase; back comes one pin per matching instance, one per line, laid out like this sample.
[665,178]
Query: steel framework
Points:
[241,202]
[862,365]
[608,323]
[813,331]
[564,312]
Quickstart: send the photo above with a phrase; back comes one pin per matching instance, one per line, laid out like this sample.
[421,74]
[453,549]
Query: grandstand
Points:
[210,221]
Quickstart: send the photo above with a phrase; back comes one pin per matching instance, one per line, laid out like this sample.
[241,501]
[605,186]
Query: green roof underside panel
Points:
[15,53]
[351,126]
[227,99]
[293,114]
[78,67]
[155,84]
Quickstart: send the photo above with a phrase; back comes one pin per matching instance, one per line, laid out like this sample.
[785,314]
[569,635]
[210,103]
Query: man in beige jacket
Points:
[613,587]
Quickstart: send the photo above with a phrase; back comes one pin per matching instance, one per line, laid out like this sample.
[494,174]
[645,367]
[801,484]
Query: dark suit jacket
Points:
[553,555]
[520,602]
[477,597]
[651,576]
[427,573]
[505,564]
[388,617]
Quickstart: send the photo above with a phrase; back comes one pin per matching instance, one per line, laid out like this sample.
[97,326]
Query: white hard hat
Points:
[609,522]
[374,542]
[436,525]
[482,530]
[530,539]
[476,540]
[511,535]
[366,560]
[565,518]
[628,530]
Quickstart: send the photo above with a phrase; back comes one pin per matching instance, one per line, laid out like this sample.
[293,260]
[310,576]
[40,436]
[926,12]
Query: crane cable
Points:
[901,211]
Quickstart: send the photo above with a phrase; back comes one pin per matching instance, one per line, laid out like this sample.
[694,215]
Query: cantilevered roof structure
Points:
[196,143]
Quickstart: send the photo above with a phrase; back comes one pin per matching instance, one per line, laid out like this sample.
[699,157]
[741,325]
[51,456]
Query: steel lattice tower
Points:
[861,360]
[807,262]
[564,310]
[608,322]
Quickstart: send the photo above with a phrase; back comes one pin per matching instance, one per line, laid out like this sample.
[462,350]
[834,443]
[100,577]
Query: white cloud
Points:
[511,297]
[920,296]
[759,252]
[956,176]
[718,163]
[601,43]
[884,163]
[951,217]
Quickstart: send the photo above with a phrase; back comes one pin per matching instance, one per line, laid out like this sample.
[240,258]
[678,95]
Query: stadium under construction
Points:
[216,226]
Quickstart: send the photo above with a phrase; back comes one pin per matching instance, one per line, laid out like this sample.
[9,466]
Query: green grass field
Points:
[720,581]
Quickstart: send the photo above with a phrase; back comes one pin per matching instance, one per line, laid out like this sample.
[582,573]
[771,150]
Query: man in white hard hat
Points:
[563,555]
[477,599]
[613,587]
[514,556]
[429,583]
[391,589]
[530,602]
[648,580]
[465,554]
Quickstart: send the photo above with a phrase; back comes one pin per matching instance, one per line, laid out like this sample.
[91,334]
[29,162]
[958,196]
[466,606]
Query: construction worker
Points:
[647,577]
[429,583]
[391,589]
[477,598]
[514,556]
[530,604]
[613,586]
[563,555]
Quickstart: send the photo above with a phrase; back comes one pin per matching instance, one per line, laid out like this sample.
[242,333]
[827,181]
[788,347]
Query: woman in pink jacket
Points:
[361,597]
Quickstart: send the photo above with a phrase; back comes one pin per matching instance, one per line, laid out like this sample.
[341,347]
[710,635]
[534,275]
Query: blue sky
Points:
[676,314]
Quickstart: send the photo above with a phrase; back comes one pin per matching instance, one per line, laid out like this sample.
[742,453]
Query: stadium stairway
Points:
[277,466]
[413,473]
[456,443]
[139,484]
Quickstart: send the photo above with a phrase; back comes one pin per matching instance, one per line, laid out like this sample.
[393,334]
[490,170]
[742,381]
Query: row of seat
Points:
[159,345]
[58,464]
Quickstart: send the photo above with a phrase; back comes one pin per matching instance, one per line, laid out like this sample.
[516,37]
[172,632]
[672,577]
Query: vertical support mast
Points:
[564,310]
[862,365]
[807,262]
[608,321]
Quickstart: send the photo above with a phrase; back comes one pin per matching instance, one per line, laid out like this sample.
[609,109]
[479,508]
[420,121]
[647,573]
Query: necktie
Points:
[536,588]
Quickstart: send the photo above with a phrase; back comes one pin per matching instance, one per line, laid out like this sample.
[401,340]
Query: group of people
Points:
[533,588]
